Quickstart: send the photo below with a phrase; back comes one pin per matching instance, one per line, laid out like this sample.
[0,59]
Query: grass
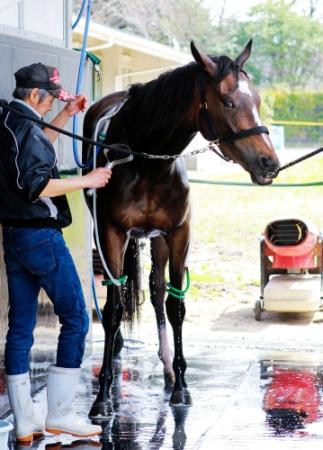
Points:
[228,221]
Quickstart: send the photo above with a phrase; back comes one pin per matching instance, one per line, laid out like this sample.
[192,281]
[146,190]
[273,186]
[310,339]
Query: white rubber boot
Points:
[61,389]
[27,427]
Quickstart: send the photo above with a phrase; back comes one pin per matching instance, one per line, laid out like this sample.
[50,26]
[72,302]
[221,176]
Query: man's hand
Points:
[98,178]
[79,104]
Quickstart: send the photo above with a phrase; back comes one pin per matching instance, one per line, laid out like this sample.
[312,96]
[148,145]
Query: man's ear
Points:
[203,60]
[34,95]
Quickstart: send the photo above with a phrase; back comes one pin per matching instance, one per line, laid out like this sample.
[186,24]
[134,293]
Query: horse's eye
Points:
[228,103]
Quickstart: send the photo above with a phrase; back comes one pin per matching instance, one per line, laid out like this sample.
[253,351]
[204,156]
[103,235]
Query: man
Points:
[33,209]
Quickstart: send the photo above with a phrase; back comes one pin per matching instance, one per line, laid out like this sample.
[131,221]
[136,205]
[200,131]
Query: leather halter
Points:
[217,138]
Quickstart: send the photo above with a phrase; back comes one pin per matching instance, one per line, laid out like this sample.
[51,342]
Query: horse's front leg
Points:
[178,243]
[114,249]
[159,258]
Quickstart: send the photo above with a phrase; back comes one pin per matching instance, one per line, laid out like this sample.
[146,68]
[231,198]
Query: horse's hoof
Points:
[101,411]
[180,398]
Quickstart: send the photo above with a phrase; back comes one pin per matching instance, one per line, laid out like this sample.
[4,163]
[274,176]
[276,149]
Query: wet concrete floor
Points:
[244,397]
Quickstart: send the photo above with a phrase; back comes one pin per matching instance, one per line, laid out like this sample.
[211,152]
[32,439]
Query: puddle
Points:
[236,394]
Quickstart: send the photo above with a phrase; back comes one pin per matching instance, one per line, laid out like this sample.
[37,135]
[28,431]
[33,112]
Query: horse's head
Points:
[228,113]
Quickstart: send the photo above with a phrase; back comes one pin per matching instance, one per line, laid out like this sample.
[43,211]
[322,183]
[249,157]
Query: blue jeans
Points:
[38,258]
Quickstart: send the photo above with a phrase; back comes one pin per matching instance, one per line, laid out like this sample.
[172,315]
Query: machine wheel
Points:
[258,310]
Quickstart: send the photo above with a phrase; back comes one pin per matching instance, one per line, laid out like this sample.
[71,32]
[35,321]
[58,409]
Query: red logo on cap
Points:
[65,96]
[55,78]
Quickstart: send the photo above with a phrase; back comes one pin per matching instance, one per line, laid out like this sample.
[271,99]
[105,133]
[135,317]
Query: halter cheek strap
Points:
[210,132]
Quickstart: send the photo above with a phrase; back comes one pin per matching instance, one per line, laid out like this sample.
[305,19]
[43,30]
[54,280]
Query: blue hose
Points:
[75,122]
[80,80]
[74,25]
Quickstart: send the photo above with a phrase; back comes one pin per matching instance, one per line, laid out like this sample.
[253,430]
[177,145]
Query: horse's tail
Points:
[132,287]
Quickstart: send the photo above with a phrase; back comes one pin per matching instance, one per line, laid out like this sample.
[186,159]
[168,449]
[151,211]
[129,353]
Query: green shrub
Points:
[298,106]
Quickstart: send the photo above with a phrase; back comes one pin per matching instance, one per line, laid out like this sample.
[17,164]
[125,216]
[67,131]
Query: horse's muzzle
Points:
[267,169]
[264,178]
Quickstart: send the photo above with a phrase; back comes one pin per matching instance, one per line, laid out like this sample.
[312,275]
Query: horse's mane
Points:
[158,105]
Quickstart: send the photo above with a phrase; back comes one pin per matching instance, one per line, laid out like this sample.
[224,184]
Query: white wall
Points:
[122,67]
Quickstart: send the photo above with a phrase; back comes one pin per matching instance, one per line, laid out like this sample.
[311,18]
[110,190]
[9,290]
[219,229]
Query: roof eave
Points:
[133,42]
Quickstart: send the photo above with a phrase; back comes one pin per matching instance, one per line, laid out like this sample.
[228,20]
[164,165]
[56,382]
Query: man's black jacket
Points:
[27,163]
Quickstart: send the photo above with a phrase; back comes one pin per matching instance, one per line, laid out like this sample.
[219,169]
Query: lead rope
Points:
[302,158]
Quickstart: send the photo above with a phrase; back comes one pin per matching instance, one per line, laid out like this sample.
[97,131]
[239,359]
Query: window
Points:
[44,20]
[9,13]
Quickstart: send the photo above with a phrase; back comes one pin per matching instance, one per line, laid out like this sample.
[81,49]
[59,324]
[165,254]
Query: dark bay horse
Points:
[150,198]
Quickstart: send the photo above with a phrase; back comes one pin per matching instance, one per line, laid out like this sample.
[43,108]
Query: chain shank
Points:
[211,146]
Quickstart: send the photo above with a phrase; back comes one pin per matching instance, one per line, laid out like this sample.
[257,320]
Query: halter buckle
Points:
[203,106]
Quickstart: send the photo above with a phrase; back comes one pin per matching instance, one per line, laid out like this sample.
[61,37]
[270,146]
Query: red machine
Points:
[291,267]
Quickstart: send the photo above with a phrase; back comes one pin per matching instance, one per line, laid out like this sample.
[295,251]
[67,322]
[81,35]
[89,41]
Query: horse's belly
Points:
[138,233]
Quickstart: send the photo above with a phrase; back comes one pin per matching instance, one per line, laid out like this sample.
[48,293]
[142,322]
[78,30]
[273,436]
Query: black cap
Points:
[42,77]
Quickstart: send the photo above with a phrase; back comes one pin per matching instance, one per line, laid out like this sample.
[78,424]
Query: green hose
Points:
[179,293]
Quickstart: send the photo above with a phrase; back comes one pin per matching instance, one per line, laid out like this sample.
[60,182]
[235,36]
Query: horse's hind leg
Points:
[114,246]
[159,256]
[178,243]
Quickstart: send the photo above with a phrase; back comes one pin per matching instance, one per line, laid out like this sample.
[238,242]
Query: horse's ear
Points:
[205,61]
[242,58]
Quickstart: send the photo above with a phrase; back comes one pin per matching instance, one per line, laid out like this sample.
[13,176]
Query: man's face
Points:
[41,106]
[46,104]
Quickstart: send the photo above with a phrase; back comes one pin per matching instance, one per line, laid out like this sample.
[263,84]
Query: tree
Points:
[171,22]
[287,46]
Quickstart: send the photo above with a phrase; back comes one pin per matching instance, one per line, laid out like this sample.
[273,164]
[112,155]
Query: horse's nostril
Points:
[267,163]
[268,166]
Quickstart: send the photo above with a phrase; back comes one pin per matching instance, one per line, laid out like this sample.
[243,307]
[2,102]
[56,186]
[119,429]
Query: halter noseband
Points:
[216,138]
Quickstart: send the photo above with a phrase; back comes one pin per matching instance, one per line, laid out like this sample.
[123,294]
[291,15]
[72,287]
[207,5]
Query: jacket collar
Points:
[25,108]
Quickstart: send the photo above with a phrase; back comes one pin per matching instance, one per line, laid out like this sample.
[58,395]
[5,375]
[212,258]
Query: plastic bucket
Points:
[5,427]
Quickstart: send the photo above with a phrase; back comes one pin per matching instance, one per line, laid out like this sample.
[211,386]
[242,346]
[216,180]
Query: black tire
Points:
[258,310]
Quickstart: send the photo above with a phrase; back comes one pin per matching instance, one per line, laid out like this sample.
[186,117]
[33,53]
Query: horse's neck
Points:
[175,139]
[158,125]
[181,141]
